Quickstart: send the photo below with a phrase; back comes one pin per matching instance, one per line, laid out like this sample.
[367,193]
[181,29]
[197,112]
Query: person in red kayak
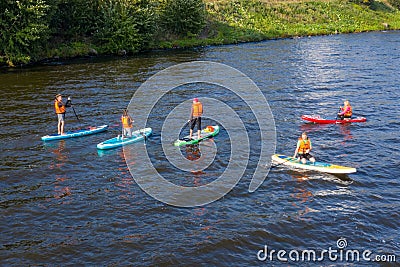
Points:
[195,117]
[303,149]
[127,124]
[60,108]
[345,112]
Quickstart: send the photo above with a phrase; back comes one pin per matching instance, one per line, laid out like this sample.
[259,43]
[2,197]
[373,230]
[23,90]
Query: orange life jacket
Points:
[197,109]
[126,122]
[304,145]
[349,112]
[59,110]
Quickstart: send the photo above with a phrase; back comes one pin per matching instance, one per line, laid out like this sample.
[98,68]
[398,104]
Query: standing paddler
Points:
[127,124]
[195,117]
[60,108]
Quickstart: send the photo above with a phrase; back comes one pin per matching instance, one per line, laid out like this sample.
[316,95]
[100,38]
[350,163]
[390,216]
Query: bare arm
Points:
[297,149]
[344,110]
[191,114]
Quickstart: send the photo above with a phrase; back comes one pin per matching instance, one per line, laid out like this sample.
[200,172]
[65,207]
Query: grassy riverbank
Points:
[254,20]
[73,28]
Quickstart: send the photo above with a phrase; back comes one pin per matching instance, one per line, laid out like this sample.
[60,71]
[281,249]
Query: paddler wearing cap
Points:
[195,117]
[60,107]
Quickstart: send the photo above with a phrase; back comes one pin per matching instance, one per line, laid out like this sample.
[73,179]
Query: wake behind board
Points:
[137,135]
[205,133]
[317,166]
[320,120]
[79,133]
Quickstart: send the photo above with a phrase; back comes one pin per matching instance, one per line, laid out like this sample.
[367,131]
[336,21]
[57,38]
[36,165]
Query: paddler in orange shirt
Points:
[303,149]
[127,124]
[60,108]
[195,117]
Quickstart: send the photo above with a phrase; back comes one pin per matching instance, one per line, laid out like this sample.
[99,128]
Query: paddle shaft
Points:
[144,136]
[276,165]
[75,113]
[337,114]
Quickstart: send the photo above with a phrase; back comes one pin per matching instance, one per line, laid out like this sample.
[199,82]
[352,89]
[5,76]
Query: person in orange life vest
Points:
[127,124]
[346,111]
[303,149]
[60,108]
[195,117]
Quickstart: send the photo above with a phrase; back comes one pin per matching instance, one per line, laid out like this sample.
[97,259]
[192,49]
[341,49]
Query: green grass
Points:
[236,21]
[252,20]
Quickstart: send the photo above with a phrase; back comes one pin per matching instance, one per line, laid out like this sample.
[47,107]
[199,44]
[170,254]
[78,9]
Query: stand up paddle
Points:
[69,99]
[274,165]
[186,138]
[144,136]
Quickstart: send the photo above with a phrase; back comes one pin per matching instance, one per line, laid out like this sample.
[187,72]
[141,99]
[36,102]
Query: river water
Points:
[65,203]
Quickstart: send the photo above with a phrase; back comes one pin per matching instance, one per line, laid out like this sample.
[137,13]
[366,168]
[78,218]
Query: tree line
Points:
[31,28]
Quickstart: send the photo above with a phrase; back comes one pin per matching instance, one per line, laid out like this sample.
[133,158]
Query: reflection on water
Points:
[61,190]
[192,152]
[301,194]
[345,130]
[313,127]
[61,187]
[66,202]
[58,148]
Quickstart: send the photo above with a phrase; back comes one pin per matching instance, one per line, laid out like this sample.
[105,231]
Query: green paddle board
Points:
[205,133]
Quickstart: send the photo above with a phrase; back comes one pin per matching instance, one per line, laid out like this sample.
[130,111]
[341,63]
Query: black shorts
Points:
[306,156]
[194,122]
[344,117]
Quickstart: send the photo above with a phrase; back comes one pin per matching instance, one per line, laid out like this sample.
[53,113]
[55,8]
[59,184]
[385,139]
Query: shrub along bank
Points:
[33,30]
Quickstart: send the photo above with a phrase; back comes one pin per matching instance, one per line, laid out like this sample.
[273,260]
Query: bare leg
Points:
[191,133]
[62,127]
[312,159]
[198,133]
[59,127]
[303,160]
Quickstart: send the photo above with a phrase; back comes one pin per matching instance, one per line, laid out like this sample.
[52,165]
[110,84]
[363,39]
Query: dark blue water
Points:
[65,203]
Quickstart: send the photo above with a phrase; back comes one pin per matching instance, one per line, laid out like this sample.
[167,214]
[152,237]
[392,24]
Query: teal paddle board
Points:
[119,141]
[78,133]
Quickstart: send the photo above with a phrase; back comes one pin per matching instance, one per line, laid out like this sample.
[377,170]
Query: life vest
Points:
[197,109]
[304,145]
[349,111]
[126,122]
[59,110]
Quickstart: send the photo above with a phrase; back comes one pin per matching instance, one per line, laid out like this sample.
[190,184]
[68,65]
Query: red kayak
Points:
[318,119]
